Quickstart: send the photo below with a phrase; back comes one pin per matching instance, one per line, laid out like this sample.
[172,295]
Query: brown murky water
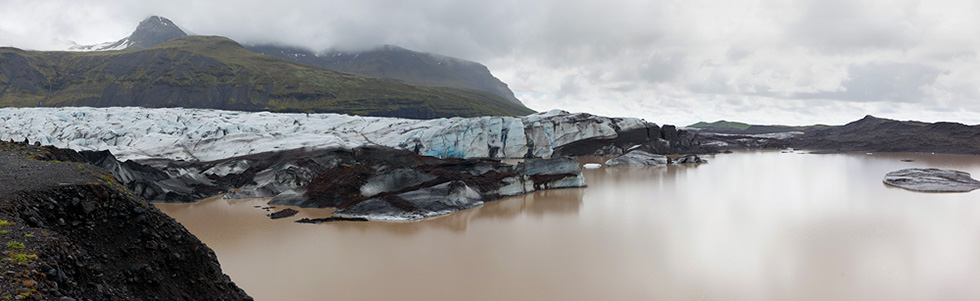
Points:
[752,225]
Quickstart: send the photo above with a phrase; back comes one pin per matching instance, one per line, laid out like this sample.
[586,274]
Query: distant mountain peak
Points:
[869,119]
[150,32]
[154,30]
[158,24]
[391,47]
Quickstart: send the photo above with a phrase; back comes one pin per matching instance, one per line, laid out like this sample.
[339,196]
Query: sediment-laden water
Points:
[749,225]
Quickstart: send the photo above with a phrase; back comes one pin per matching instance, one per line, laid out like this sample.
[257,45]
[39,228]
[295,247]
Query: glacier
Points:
[371,167]
[133,133]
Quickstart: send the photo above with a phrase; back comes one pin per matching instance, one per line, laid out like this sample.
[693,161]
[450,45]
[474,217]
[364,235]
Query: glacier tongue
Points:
[206,135]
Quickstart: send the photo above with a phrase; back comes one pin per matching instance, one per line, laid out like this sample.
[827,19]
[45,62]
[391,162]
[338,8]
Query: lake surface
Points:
[749,225]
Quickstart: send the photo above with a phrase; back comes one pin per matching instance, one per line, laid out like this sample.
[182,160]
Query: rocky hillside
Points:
[70,231]
[869,134]
[873,134]
[215,72]
[398,63]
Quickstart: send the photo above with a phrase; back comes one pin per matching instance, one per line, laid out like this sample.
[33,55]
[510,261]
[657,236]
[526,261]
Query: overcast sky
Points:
[675,62]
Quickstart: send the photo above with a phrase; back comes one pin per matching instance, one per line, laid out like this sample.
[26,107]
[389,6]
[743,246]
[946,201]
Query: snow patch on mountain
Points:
[205,135]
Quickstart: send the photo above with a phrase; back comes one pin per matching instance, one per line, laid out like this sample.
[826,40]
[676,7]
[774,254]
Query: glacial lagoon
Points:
[758,225]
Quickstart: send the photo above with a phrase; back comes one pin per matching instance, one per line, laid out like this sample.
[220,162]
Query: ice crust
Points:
[206,135]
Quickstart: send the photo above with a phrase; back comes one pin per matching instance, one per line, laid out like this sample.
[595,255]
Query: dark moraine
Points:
[80,235]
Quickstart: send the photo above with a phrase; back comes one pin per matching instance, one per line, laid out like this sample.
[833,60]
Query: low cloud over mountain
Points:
[764,61]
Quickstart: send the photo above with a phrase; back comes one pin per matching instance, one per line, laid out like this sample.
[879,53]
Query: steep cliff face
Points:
[78,234]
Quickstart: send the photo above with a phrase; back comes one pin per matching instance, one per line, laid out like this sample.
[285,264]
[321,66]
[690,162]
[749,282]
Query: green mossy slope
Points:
[216,72]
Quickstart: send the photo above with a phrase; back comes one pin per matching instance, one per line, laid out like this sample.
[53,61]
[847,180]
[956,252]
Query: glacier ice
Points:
[133,133]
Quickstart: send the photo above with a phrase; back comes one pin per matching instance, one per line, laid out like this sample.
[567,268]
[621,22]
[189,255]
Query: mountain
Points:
[218,73]
[150,32]
[873,134]
[397,63]
[391,62]
[720,125]
[740,128]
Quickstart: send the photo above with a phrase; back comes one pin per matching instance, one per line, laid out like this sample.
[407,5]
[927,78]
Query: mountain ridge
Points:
[741,128]
[218,73]
[385,61]
[394,62]
[874,134]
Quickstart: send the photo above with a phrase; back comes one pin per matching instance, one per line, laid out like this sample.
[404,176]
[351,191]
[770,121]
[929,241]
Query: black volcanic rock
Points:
[283,213]
[84,237]
[330,219]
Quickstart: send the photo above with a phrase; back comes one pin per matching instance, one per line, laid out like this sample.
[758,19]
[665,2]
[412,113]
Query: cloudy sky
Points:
[677,62]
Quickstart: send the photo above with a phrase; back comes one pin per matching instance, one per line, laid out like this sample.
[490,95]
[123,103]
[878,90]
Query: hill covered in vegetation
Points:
[218,73]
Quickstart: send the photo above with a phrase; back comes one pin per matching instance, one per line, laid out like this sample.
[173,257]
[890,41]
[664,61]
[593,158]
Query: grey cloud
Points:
[715,84]
[882,82]
[635,55]
[569,86]
[736,53]
[660,68]
[846,26]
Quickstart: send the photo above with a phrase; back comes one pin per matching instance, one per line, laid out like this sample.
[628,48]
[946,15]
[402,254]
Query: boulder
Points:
[638,158]
[689,159]
[932,180]
[283,213]
[330,219]
[668,132]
